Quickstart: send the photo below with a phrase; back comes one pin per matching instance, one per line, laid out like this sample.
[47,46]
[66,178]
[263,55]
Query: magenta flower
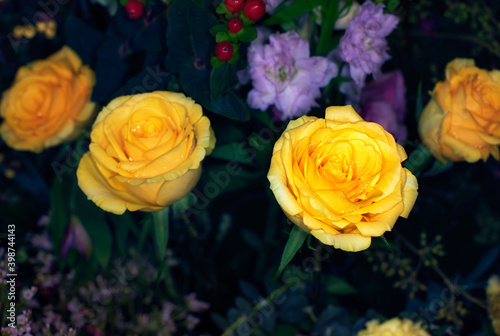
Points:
[285,76]
[363,45]
[383,101]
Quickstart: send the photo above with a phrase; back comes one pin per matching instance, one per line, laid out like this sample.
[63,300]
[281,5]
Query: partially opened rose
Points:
[145,152]
[462,120]
[48,103]
[341,179]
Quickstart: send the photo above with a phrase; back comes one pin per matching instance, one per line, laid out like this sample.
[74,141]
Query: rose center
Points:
[148,128]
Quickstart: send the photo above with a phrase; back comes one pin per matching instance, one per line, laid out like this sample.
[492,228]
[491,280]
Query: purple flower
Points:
[76,237]
[383,101]
[284,75]
[363,45]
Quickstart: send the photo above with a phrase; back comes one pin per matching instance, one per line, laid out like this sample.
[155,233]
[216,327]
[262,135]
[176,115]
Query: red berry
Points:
[234,5]
[254,9]
[134,9]
[234,25]
[224,51]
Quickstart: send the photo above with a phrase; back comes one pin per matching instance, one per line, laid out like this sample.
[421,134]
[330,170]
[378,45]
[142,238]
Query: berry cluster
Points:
[134,9]
[237,27]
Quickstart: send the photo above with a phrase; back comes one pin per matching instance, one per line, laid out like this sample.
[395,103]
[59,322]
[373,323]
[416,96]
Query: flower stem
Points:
[327,24]
[259,306]
[453,288]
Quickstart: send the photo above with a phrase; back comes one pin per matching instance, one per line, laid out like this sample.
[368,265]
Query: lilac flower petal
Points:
[389,88]
[284,76]
[363,45]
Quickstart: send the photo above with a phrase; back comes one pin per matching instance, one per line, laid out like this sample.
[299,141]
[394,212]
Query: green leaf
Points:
[83,39]
[309,246]
[236,57]
[218,28]
[196,84]
[252,239]
[152,37]
[230,106]
[285,330]
[235,151]
[247,34]
[216,63]
[221,36]
[338,286]
[296,9]
[110,69]
[330,14]
[221,9]
[387,244]
[188,35]
[221,178]
[438,167]
[295,241]
[94,221]
[122,225]
[58,211]
[392,5]
[160,231]
[145,225]
[220,78]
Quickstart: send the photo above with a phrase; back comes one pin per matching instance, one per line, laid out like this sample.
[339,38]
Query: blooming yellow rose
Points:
[145,152]
[462,120]
[341,178]
[48,103]
[393,327]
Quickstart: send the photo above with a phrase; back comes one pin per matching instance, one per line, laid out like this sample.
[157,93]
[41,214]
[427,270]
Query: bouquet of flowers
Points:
[249,167]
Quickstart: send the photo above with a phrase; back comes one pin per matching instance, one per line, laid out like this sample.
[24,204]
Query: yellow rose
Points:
[145,152]
[393,327]
[341,178]
[48,103]
[462,120]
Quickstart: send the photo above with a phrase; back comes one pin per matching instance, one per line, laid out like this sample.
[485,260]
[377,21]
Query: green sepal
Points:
[295,241]
[221,9]
[221,36]
[216,62]
[236,57]
[247,34]
[392,5]
[218,28]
